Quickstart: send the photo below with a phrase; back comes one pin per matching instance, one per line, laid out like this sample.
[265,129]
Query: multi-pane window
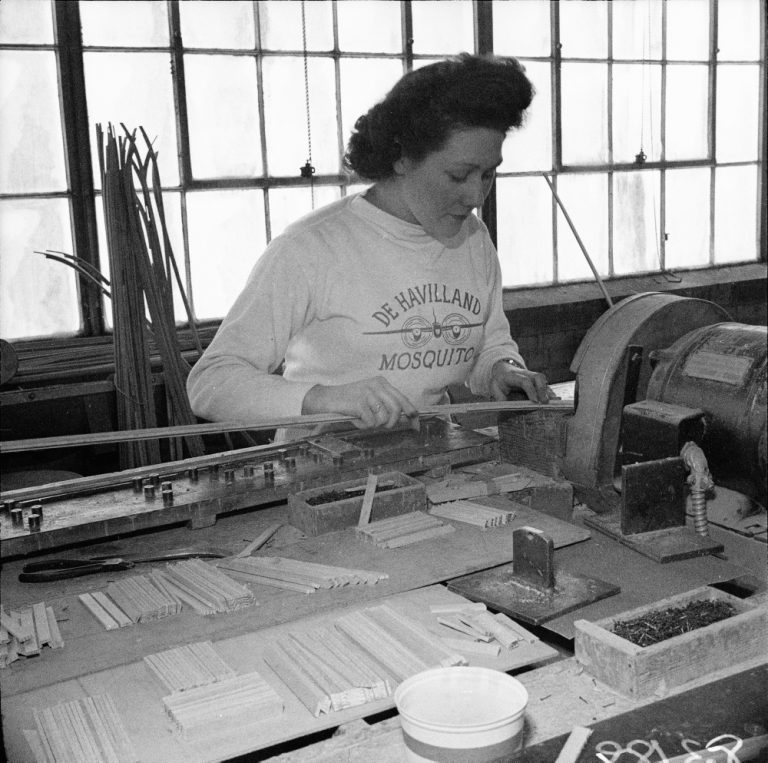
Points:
[647,120]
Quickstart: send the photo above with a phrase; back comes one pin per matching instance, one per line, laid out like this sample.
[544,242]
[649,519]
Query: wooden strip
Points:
[112,609]
[30,646]
[417,537]
[66,441]
[98,611]
[57,642]
[40,619]
[308,693]
[259,540]
[469,646]
[15,627]
[370,492]
[574,745]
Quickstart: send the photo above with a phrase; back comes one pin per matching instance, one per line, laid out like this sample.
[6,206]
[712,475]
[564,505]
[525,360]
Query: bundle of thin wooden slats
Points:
[26,632]
[142,269]
[403,530]
[475,621]
[206,589]
[326,670]
[223,705]
[396,642]
[190,666]
[84,730]
[472,513]
[296,575]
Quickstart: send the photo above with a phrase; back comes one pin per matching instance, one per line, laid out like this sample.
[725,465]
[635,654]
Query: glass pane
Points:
[369,25]
[286,205]
[584,29]
[31,138]
[26,22]
[736,237]
[530,146]
[687,218]
[738,30]
[636,247]
[280,23]
[226,237]
[686,115]
[38,296]
[133,89]
[440,27]
[286,115]
[738,93]
[217,24]
[128,23]
[172,208]
[521,28]
[688,30]
[584,113]
[223,111]
[637,29]
[364,82]
[636,112]
[585,197]
[524,214]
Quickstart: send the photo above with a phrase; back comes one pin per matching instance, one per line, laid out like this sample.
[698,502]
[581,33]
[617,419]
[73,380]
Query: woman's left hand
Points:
[506,377]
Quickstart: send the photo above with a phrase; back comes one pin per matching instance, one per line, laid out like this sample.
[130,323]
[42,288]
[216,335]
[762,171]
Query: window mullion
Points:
[483,12]
[79,166]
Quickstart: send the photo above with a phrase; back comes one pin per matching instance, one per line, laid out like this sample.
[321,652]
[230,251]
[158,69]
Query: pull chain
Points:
[307,171]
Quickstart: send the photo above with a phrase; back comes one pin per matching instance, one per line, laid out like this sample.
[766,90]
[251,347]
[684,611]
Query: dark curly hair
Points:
[417,115]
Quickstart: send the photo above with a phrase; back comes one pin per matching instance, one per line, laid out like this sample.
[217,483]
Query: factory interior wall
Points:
[548,324]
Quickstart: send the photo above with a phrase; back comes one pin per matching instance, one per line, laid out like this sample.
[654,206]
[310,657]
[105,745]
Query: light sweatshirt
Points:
[350,292]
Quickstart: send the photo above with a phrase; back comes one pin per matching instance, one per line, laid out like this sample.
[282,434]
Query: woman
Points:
[378,302]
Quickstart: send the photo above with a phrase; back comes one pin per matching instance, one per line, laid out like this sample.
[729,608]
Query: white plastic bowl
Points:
[461,714]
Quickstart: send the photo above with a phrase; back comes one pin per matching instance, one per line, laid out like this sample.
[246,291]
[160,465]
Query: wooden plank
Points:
[89,648]
[139,702]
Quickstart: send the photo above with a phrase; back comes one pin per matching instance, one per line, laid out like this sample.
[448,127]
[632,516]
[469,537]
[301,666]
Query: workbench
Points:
[562,694]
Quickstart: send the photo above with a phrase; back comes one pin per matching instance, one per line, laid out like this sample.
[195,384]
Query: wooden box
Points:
[638,671]
[406,494]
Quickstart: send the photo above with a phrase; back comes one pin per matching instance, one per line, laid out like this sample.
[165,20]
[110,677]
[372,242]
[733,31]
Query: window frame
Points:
[83,197]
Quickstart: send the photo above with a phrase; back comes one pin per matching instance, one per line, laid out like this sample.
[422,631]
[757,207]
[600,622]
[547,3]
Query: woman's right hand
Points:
[373,402]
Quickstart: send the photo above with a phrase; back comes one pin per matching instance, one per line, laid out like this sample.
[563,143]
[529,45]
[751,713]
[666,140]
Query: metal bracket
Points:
[652,516]
[530,589]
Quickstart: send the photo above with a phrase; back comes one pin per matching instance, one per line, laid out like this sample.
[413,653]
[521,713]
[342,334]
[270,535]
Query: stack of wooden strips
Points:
[296,575]
[26,632]
[472,513]
[206,589]
[135,599]
[224,706]
[481,626]
[403,530]
[399,644]
[190,666]
[462,487]
[326,670]
[142,271]
[84,730]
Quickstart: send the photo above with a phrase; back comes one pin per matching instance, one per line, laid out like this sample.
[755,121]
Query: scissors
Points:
[61,569]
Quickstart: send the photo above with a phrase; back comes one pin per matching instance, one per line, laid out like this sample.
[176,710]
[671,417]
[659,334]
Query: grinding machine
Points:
[670,409]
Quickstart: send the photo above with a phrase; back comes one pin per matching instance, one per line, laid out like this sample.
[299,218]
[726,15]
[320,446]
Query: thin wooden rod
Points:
[579,241]
[67,441]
